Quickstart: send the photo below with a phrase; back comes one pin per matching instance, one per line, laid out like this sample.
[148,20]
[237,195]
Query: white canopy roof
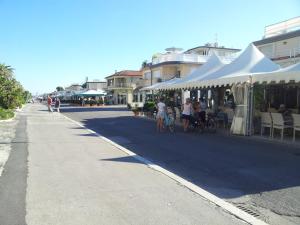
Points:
[158,86]
[213,64]
[287,74]
[92,93]
[249,62]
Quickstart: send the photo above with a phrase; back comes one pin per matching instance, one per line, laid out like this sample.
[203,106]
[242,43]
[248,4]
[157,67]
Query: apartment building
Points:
[121,85]
[281,42]
[178,63]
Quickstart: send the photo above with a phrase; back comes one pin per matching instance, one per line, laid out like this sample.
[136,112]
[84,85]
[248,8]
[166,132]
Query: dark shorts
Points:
[186,117]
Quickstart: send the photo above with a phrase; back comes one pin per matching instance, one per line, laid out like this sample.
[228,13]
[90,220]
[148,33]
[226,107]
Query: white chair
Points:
[296,124]
[278,123]
[266,121]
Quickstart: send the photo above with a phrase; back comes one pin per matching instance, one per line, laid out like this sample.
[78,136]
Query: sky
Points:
[54,43]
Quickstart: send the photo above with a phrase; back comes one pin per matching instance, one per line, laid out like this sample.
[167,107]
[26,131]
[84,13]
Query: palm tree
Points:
[6,71]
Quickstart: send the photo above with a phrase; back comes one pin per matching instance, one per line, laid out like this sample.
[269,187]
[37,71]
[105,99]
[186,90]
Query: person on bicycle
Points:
[186,114]
[161,110]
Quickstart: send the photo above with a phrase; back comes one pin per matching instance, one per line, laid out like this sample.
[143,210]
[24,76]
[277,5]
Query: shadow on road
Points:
[228,167]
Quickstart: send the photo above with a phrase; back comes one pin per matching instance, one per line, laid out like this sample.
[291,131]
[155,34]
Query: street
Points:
[260,176]
[60,173]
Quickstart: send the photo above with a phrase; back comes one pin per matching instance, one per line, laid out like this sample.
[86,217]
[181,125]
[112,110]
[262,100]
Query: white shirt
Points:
[187,109]
[161,106]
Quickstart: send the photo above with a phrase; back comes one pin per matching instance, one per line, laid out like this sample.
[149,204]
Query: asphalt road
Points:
[253,174]
[59,173]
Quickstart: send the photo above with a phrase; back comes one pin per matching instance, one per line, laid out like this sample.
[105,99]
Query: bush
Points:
[6,114]
[149,106]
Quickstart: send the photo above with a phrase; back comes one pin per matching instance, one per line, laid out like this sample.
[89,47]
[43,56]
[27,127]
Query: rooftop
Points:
[280,37]
[126,73]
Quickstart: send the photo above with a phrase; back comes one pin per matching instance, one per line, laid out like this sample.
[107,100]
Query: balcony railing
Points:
[192,58]
[122,85]
[285,54]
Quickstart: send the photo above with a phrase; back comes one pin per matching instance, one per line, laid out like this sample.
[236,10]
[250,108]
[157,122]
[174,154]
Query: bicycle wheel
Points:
[211,126]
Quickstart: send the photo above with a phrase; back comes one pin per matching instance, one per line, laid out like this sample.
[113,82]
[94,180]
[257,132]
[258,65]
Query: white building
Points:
[281,42]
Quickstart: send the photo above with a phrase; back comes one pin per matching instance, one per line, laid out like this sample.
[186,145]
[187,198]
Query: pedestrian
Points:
[57,104]
[161,110]
[202,109]
[49,102]
[186,114]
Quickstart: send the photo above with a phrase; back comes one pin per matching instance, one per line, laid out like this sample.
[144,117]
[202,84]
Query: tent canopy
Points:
[287,74]
[213,64]
[160,85]
[250,61]
[92,93]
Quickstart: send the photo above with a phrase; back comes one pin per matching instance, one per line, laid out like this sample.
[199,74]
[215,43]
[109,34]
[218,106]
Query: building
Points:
[281,42]
[178,63]
[95,85]
[74,87]
[121,85]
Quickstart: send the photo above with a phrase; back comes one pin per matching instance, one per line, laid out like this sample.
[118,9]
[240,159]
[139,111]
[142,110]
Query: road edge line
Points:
[205,194]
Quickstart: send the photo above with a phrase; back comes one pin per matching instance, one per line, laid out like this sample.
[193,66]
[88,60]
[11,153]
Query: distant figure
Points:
[49,102]
[161,107]
[186,114]
[57,104]
[82,102]
[203,107]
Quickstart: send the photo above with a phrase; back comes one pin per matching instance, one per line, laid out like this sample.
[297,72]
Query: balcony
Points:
[121,86]
[285,54]
[187,58]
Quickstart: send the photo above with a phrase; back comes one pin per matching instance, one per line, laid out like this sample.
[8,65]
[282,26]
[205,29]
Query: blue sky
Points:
[54,43]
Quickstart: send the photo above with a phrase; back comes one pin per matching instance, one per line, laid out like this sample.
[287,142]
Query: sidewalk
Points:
[74,177]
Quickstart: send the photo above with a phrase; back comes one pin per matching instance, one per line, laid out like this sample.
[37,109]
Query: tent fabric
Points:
[92,93]
[213,64]
[287,74]
[160,85]
[240,70]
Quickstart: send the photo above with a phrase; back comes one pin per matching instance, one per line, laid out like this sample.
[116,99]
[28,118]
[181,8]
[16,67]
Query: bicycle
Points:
[169,120]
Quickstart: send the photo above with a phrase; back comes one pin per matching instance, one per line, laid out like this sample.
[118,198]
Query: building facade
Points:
[121,85]
[281,42]
[178,63]
[95,85]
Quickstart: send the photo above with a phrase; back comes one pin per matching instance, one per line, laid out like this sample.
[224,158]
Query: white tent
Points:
[287,74]
[213,64]
[91,93]
[240,70]
[158,86]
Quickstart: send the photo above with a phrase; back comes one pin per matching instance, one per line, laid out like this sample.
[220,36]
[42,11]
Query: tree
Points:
[12,94]
[59,88]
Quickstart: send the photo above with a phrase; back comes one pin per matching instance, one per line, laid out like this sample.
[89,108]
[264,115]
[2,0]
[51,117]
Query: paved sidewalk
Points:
[74,177]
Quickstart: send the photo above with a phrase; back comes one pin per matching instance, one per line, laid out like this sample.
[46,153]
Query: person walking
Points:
[202,109]
[161,110]
[49,102]
[57,104]
[186,114]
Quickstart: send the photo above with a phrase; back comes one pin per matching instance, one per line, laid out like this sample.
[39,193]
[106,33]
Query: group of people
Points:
[56,103]
[189,110]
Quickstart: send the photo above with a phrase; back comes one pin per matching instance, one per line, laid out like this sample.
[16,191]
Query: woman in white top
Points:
[161,109]
[186,114]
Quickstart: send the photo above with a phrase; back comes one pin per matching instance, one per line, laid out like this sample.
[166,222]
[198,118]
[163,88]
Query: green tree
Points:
[59,88]
[12,94]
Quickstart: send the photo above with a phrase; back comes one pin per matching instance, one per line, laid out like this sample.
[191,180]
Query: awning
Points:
[250,62]
[91,93]
[160,85]
[286,75]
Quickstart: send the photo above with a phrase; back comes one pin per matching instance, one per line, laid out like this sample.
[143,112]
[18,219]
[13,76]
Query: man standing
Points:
[49,102]
[57,104]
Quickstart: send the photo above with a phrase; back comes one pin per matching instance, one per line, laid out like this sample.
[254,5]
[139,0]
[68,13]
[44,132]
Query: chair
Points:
[279,123]
[266,121]
[296,124]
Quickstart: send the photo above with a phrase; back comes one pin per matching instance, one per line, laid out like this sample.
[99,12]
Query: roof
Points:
[126,73]
[280,37]
[212,47]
